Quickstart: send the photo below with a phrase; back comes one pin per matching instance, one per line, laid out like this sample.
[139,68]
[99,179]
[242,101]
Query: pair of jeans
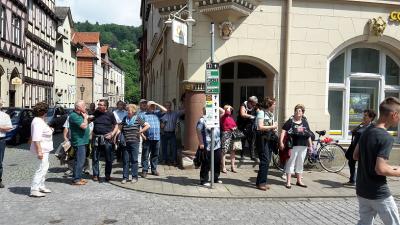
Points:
[2,151]
[108,153]
[250,137]
[264,154]
[352,167]
[206,166]
[152,148]
[130,159]
[386,208]
[168,139]
[79,161]
[40,174]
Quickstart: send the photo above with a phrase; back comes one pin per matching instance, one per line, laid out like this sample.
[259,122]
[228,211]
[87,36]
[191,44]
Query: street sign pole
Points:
[212,129]
[212,90]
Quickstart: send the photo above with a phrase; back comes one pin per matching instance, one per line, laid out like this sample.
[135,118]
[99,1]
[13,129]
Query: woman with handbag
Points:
[132,126]
[369,116]
[230,140]
[298,132]
[265,138]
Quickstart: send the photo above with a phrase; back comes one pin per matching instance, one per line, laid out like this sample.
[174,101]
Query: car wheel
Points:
[17,139]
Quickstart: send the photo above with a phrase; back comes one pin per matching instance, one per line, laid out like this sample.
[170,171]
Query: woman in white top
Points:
[41,146]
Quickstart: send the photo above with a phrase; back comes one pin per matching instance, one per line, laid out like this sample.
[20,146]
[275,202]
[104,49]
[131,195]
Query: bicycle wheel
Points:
[277,162]
[332,157]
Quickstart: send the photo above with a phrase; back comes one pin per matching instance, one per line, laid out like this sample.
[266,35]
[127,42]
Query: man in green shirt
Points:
[79,126]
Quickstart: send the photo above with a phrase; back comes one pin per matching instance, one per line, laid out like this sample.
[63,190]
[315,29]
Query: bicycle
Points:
[330,155]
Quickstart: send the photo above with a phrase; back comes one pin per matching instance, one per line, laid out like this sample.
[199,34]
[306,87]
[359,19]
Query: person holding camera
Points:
[265,139]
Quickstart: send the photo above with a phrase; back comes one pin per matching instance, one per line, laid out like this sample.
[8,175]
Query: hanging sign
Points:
[16,80]
[212,90]
[179,32]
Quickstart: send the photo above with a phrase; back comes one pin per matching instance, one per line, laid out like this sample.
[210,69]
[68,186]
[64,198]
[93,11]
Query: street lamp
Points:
[82,88]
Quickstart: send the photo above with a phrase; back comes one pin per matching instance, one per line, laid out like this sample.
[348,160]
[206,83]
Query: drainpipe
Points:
[287,56]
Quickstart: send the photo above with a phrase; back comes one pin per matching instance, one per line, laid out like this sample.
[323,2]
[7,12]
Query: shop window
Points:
[335,107]
[248,71]
[392,72]
[364,60]
[336,70]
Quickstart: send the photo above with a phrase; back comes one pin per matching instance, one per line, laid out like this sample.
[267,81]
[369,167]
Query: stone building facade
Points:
[336,57]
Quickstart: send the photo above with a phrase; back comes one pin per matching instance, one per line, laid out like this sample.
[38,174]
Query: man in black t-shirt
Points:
[105,127]
[372,153]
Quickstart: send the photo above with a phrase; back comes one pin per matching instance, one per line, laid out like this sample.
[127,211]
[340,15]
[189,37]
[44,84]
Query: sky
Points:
[124,12]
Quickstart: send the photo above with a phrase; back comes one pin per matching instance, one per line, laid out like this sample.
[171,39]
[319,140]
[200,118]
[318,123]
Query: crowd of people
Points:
[136,134]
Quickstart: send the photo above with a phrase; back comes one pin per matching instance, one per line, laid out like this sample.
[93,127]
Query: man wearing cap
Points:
[245,121]
[151,144]
[5,126]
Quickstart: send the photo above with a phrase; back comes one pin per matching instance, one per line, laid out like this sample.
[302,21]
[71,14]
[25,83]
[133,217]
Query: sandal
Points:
[301,185]
[233,170]
[224,170]
[288,186]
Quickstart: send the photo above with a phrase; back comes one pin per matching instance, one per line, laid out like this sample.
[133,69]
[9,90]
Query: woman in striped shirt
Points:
[132,127]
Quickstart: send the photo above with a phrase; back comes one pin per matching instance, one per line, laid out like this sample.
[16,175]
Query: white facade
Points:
[65,66]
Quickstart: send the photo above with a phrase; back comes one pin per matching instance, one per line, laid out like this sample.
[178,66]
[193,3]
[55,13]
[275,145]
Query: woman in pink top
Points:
[230,145]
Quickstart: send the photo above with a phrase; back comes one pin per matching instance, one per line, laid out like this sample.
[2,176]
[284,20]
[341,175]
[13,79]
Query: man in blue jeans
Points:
[5,126]
[105,127]
[151,145]
[79,126]
[168,138]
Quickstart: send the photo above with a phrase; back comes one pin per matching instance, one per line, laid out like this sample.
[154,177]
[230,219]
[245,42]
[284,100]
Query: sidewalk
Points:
[175,182]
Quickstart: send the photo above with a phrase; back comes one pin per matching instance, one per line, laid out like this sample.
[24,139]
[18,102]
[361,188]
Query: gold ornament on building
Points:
[226,29]
[377,26]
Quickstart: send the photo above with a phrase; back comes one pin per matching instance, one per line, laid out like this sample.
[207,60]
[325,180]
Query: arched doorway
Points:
[12,89]
[241,79]
[359,78]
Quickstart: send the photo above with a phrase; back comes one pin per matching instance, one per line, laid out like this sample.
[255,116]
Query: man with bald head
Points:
[79,126]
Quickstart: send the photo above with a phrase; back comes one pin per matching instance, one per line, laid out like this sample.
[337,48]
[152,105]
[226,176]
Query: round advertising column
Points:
[194,103]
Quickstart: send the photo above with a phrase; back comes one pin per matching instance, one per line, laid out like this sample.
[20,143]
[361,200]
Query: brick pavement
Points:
[103,203]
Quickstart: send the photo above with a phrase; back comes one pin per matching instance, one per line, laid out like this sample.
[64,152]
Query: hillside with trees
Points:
[123,41]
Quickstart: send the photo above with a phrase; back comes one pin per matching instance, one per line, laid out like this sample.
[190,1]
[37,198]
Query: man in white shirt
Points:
[5,126]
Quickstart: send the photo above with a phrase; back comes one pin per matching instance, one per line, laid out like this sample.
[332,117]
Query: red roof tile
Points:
[86,52]
[86,37]
[104,49]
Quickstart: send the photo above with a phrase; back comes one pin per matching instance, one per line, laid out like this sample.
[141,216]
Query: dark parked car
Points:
[56,117]
[21,120]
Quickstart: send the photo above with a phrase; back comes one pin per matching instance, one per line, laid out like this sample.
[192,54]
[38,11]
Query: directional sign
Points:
[212,79]
[212,110]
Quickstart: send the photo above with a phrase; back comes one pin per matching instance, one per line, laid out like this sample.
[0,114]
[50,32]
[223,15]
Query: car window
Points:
[14,115]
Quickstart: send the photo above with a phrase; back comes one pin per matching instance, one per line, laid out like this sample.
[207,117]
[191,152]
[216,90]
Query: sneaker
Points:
[218,181]
[1,185]
[123,181]
[108,178]
[95,178]
[44,190]
[37,194]
[207,184]
[68,173]
[134,181]
[283,177]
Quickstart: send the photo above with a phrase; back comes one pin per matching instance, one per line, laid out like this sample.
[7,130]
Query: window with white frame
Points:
[360,77]
[3,20]
[16,29]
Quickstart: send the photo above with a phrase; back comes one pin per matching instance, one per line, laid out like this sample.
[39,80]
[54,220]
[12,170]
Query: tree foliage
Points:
[123,41]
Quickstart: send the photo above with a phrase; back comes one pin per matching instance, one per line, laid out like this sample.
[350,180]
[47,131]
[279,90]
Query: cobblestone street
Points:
[103,203]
